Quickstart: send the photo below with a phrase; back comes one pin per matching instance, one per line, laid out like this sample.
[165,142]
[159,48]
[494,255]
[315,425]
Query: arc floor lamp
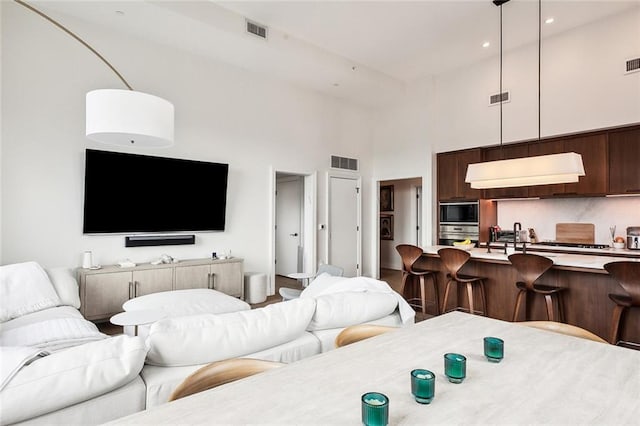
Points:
[539,170]
[122,117]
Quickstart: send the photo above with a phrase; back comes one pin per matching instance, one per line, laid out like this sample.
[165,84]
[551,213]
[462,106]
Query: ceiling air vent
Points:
[632,65]
[257,29]
[497,98]
[344,163]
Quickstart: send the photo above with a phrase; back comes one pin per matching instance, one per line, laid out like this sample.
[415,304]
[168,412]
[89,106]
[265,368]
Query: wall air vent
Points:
[632,65]
[497,98]
[344,163]
[257,29]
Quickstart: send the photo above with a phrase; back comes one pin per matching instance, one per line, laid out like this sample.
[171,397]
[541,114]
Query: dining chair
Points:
[355,333]
[627,274]
[288,293]
[563,328]
[531,267]
[221,372]
[409,255]
[453,260]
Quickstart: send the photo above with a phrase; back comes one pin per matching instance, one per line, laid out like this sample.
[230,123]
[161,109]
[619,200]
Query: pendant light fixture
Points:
[122,117]
[528,171]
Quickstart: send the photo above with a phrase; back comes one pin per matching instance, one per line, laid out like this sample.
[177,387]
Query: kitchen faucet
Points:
[517,227]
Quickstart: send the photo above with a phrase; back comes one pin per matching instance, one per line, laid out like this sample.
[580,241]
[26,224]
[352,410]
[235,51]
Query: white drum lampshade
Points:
[129,118]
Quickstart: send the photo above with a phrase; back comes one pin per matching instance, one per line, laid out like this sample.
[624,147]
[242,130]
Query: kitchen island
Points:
[586,301]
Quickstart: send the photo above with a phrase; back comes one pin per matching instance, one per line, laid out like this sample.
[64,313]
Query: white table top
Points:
[140,317]
[545,377]
[301,275]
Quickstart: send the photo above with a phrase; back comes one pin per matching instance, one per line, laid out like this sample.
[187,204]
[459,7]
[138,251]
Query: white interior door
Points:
[419,216]
[344,222]
[288,225]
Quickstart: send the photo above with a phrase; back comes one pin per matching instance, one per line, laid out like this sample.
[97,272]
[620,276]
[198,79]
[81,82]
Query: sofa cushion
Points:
[188,302]
[347,308]
[72,376]
[65,285]
[205,338]
[25,288]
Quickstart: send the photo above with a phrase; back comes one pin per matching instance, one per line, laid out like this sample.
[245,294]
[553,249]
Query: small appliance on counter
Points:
[633,237]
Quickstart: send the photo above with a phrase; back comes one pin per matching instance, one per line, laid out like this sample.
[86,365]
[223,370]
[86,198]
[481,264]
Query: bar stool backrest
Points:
[453,259]
[628,276]
[530,266]
[409,254]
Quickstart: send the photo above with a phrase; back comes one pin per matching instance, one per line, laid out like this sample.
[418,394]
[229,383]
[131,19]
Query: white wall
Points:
[223,114]
[583,88]
[404,217]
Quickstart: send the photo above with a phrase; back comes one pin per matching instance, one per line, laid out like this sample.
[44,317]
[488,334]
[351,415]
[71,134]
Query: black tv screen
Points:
[139,193]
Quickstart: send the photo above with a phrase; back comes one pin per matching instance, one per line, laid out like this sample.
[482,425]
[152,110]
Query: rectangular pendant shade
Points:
[528,171]
[129,118]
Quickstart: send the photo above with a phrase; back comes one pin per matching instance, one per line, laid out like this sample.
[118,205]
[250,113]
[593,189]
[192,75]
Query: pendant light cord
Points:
[539,62]
[501,95]
[84,43]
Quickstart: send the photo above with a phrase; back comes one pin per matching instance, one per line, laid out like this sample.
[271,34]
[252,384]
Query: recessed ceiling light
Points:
[549,20]
[486,44]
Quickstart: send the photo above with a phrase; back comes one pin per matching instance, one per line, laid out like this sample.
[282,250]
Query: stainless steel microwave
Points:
[459,213]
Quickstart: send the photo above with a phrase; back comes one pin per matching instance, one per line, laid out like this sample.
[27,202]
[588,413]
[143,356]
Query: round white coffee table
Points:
[303,277]
[136,318]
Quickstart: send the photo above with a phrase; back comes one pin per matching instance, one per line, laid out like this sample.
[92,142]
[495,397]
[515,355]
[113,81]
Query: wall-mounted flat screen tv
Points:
[129,193]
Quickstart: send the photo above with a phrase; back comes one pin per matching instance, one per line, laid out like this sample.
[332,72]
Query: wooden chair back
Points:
[219,373]
[453,259]
[355,333]
[562,328]
[530,266]
[409,255]
[627,273]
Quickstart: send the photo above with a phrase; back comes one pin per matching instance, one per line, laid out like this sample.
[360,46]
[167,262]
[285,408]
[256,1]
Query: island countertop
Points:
[567,260]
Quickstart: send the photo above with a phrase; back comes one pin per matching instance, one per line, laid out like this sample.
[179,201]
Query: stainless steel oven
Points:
[460,213]
[451,233]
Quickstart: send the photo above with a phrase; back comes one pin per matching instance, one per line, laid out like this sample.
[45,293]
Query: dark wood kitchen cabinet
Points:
[624,161]
[593,149]
[506,152]
[452,170]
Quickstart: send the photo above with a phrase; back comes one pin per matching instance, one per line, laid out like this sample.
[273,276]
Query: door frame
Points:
[309,222]
[327,242]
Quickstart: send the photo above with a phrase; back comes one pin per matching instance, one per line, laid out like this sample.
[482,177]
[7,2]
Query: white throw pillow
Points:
[320,284]
[347,308]
[66,286]
[25,288]
[205,338]
[72,376]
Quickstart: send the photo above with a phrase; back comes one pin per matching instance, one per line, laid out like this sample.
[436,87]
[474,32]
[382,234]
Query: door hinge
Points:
[357,228]
[357,190]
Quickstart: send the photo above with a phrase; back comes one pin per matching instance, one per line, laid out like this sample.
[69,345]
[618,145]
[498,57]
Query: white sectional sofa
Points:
[143,374]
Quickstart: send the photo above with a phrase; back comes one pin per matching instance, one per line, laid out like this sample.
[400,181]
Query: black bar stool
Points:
[531,267]
[453,260]
[628,276]
[409,255]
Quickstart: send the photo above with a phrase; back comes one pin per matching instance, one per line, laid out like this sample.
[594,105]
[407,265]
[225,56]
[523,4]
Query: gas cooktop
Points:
[575,245]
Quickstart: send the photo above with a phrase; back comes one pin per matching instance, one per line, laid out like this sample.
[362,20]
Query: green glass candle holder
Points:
[423,385]
[455,367]
[375,409]
[493,349]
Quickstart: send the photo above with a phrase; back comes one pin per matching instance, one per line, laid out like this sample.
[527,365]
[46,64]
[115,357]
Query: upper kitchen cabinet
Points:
[593,149]
[624,161]
[452,170]
[506,152]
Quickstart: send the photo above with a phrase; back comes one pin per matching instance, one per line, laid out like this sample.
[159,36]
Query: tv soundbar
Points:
[158,240]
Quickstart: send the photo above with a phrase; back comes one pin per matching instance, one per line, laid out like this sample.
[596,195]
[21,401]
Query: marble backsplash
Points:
[542,215]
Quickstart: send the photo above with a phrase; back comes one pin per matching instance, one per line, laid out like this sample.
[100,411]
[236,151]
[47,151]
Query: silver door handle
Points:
[294,235]
[136,287]
[130,290]
[209,285]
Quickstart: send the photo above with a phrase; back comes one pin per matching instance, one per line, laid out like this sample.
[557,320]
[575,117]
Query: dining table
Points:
[544,378]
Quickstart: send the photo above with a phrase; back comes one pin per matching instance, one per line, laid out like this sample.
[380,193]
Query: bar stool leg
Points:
[549,302]
[618,310]
[561,315]
[470,297]
[521,294]
[446,296]
[434,279]
[423,295]
[483,296]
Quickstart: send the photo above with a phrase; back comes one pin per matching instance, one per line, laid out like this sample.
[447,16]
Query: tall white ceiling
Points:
[362,51]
